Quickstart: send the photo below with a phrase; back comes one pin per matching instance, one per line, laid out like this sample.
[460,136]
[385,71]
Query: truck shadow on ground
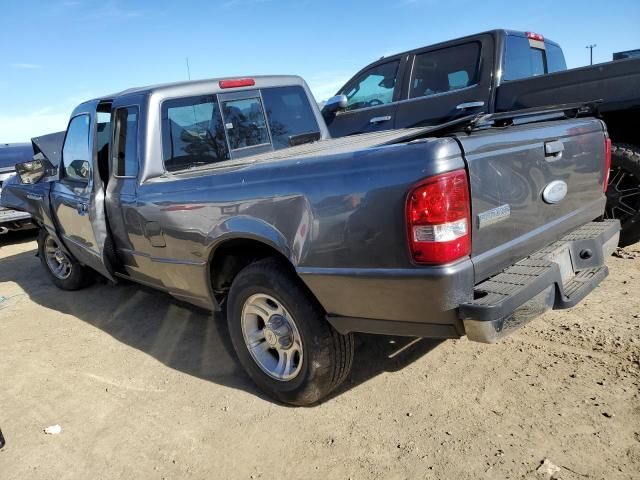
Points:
[182,337]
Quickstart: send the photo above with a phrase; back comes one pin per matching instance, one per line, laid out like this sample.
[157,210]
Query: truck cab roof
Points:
[210,86]
[495,33]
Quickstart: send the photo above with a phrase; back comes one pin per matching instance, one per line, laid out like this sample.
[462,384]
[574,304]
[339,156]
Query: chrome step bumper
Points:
[557,276]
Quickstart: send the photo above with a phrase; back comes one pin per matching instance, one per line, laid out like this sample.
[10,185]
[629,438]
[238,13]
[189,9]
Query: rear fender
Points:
[249,228]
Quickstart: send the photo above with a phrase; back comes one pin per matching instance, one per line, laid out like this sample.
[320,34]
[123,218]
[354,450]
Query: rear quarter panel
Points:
[336,211]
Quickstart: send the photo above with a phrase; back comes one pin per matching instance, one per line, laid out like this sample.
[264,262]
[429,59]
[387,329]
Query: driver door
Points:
[78,196]
[372,100]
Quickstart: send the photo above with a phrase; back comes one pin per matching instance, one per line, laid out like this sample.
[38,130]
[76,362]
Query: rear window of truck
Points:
[522,60]
[205,129]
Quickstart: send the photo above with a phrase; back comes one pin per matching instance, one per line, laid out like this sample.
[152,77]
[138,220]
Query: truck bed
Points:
[335,146]
[618,82]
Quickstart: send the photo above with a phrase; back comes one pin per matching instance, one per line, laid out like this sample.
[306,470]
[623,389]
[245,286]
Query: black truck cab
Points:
[492,72]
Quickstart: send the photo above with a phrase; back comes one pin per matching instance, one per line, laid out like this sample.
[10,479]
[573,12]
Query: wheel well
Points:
[232,256]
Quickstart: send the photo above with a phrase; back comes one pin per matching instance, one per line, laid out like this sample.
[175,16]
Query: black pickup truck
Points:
[499,71]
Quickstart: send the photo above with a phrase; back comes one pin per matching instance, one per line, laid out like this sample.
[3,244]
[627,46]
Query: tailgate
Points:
[518,179]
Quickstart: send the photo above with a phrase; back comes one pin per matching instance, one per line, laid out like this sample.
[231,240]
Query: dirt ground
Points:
[144,387]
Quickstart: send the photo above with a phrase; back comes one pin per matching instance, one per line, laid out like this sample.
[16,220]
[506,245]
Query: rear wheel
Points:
[281,336]
[623,192]
[64,271]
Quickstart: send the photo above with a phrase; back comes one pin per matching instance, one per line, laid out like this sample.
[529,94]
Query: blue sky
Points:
[56,53]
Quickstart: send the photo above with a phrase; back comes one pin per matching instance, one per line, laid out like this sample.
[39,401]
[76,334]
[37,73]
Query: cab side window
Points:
[125,142]
[76,154]
[445,70]
[372,88]
[192,133]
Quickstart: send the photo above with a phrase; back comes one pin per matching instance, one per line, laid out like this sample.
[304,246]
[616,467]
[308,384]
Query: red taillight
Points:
[607,163]
[238,82]
[535,36]
[439,219]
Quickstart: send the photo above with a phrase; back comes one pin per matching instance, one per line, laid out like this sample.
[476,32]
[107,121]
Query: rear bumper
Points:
[444,303]
[535,284]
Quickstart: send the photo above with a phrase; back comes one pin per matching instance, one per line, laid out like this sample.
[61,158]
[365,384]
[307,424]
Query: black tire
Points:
[78,277]
[623,192]
[327,355]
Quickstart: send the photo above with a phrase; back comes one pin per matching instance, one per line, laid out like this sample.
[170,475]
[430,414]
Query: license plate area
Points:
[562,257]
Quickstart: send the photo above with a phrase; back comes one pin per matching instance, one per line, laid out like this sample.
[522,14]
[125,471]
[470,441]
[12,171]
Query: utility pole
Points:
[188,69]
[591,47]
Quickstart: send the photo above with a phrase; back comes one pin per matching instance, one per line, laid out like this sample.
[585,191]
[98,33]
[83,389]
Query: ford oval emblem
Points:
[555,191]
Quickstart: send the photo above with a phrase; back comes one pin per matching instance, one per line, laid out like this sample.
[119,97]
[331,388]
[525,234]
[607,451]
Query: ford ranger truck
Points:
[230,194]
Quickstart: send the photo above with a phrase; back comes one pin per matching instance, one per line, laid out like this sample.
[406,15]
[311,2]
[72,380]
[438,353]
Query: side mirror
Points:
[339,102]
[35,170]
[79,170]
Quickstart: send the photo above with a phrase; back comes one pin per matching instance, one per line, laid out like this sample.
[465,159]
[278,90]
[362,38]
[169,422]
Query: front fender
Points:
[32,199]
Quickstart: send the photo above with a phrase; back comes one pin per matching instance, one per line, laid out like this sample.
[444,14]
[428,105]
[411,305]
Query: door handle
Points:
[553,150]
[466,105]
[384,118]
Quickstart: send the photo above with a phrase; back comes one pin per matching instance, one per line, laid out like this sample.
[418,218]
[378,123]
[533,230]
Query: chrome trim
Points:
[465,105]
[383,118]
[553,148]
[555,191]
[494,215]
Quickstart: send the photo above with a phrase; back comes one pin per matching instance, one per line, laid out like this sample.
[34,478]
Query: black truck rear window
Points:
[521,60]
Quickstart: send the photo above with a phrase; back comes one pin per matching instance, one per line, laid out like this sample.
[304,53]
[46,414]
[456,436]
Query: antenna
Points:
[188,70]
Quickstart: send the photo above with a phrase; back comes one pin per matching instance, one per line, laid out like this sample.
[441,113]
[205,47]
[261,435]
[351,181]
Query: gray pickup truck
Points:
[230,194]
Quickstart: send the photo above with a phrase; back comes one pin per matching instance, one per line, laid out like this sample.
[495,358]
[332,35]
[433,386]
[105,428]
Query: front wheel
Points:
[281,336]
[64,271]
[623,191]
